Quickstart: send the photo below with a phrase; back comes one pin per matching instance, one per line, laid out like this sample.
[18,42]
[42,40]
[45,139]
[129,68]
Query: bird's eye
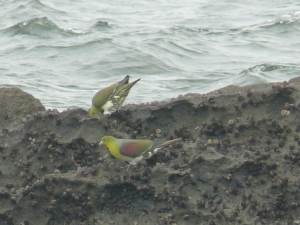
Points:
[103,139]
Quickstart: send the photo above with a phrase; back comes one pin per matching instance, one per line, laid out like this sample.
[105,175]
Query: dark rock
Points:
[238,162]
[15,104]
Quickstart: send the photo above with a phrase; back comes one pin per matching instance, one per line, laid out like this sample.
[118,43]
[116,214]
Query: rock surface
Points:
[15,105]
[238,164]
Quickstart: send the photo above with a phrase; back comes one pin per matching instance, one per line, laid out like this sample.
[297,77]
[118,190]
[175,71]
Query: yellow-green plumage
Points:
[111,98]
[133,150]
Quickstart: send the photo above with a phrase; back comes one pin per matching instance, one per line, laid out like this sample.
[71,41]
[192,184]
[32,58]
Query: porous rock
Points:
[238,162]
[15,104]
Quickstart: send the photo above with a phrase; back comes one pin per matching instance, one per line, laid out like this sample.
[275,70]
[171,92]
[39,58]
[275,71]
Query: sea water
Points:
[63,52]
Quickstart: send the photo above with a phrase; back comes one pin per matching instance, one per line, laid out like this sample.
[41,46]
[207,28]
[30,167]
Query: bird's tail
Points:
[164,144]
[124,81]
[124,90]
[121,84]
[134,82]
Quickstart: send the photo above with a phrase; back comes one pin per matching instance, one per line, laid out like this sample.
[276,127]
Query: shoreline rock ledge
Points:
[238,162]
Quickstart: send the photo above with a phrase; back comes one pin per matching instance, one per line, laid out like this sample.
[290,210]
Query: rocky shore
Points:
[238,162]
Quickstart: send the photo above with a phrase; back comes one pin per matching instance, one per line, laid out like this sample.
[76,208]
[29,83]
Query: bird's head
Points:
[95,111]
[106,140]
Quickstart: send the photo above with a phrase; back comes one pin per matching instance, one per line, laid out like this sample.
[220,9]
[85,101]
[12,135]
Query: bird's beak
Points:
[100,143]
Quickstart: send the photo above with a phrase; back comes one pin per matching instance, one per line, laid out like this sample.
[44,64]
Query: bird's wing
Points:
[102,96]
[120,94]
[105,95]
[134,148]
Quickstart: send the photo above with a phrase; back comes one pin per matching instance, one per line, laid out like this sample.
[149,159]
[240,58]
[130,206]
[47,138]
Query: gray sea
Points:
[62,52]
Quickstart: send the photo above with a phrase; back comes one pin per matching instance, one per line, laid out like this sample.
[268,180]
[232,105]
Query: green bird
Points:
[133,150]
[111,98]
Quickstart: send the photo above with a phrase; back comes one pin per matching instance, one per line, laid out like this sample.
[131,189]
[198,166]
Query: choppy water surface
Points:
[62,52]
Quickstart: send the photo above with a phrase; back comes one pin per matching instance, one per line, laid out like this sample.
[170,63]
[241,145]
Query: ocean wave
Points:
[287,20]
[264,73]
[101,24]
[269,67]
[188,29]
[40,27]
[44,6]
[37,4]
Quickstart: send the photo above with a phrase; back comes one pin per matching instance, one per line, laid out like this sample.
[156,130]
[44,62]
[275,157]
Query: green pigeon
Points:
[111,98]
[133,150]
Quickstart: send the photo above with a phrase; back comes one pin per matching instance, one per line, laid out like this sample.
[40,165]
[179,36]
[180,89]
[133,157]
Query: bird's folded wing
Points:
[130,149]
[120,94]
